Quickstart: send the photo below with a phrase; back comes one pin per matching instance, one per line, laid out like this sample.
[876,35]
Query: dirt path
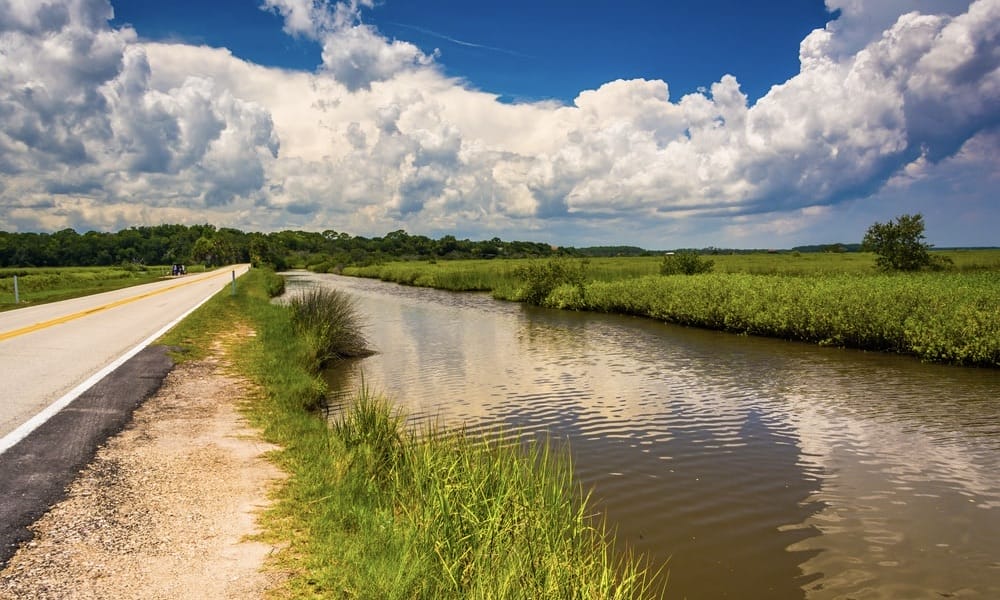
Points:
[163,510]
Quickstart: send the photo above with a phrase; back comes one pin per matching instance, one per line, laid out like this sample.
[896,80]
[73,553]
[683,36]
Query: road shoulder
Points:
[35,472]
[164,508]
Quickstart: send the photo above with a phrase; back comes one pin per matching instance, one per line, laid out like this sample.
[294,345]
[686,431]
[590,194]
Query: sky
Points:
[689,123]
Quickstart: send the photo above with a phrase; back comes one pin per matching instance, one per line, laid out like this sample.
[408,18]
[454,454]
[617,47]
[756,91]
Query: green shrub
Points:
[685,262]
[539,279]
[566,296]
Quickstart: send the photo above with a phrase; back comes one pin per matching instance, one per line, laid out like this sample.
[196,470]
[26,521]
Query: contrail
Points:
[458,41]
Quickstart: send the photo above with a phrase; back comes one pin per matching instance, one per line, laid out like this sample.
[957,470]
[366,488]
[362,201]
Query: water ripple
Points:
[763,469]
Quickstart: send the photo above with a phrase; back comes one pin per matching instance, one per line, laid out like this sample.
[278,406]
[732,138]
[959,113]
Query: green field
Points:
[488,275]
[51,284]
[949,316]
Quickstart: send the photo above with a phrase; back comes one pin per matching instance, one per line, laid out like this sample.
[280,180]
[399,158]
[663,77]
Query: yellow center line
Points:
[83,313]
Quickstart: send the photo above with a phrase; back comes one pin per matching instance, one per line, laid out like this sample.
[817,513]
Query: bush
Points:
[566,297]
[685,262]
[539,279]
[131,266]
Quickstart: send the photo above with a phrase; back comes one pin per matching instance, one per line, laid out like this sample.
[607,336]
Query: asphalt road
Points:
[50,350]
[71,373]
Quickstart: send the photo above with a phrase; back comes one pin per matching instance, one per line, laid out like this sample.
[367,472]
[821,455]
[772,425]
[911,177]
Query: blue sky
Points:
[530,50]
[661,124]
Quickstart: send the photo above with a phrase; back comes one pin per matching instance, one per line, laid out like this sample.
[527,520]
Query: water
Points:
[759,468]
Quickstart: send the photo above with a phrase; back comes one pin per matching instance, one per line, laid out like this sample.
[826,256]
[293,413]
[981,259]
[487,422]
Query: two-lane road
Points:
[71,373]
[52,352]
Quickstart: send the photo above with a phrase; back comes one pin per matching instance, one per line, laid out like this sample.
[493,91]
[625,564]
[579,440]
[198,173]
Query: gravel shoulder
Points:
[165,508]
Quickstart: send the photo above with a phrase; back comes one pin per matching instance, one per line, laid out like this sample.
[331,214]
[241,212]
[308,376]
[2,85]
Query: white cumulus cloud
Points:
[376,137]
[82,122]
[354,53]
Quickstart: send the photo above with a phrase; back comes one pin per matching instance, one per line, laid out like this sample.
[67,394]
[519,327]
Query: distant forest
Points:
[326,251]
[211,246]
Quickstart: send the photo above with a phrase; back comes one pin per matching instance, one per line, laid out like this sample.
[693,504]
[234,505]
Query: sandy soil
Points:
[163,510]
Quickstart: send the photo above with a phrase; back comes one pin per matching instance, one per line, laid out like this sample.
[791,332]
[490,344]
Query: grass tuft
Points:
[329,321]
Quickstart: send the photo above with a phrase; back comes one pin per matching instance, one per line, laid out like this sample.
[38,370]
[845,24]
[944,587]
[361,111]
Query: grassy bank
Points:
[951,316]
[938,317]
[374,510]
[500,274]
[40,285]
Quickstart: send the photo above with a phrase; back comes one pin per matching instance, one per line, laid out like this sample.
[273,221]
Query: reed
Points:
[329,322]
[453,515]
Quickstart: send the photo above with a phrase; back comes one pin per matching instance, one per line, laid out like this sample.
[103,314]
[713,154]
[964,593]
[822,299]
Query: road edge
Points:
[36,470]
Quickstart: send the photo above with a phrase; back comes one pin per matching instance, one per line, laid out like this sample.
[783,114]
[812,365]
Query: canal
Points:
[755,468]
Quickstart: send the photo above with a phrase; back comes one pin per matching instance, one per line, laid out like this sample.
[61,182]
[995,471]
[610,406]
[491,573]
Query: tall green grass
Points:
[490,275]
[449,515]
[374,510]
[454,275]
[952,318]
[833,299]
[331,325]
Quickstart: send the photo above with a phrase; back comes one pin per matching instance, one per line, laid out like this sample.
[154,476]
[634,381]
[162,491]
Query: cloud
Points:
[377,138]
[861,22]
[355,54]
[842,126]
[46,16]
[81,118]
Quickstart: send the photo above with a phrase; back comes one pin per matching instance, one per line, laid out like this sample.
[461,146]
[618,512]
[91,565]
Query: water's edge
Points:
[760,468]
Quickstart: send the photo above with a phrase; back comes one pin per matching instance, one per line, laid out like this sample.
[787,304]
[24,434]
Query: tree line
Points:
[211,246]
[899,246]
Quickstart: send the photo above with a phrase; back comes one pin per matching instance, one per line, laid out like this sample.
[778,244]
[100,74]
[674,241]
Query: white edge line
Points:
[25,429]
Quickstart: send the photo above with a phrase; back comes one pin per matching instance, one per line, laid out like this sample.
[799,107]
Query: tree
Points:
[899,245]
[203,251]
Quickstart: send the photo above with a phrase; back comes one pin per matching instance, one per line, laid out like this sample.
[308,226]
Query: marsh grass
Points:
[947,317]
[491,275]
[373,510]
[329,321]
[456,275]
[473,516]
[836,299]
